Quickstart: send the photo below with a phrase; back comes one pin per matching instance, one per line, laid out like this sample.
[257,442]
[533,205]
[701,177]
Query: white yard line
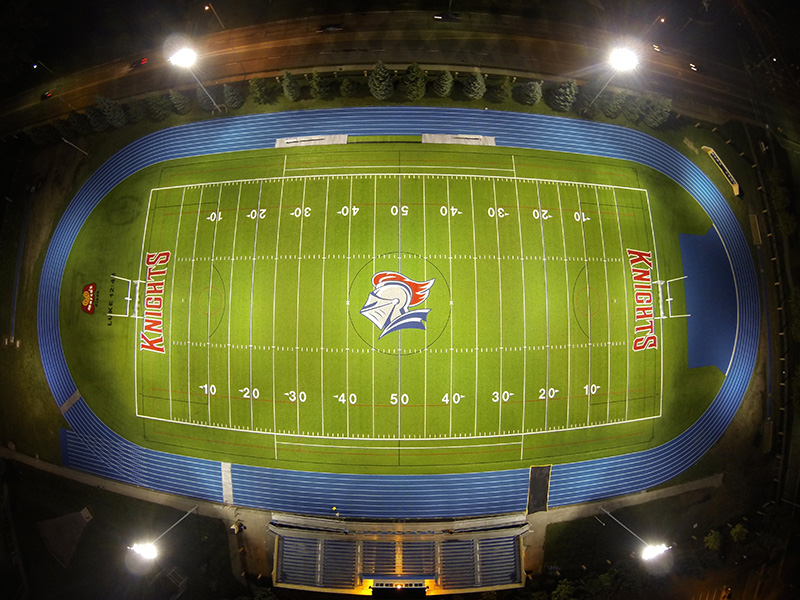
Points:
[252,290]
[322,312]
[499,306]
[627,310]
[297,306]
[524,314]
[608,308]
[172,302]
[208,312]
[547,302]
[136,326]
[661,321]
[475,272]
[274,288]
[372,329]
[425,277]
[588,303]
[189,311]
[347,306]
[566,287]
[450,263]
[230,301]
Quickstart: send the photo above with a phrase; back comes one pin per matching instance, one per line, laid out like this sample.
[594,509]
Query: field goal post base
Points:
[135,283]
[668,299]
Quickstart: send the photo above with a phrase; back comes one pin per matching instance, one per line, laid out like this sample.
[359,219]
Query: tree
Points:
[413,83]
[259,90]
[564,590]
[530,93]
[502,91]
[204,100]
[180,103]
[79,123]
[291,89]
[348,88]
[135,110]
[232,96]
[319,87]
[97,120]
[474,86]
[563,95]
[713,540]
[443,84]
[739,533]
[611,104]
[112,111]
[655,111]
[158,107]
[381,82]
[632,108]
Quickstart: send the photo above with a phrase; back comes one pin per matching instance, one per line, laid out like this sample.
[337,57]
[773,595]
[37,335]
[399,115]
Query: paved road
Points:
[491,42]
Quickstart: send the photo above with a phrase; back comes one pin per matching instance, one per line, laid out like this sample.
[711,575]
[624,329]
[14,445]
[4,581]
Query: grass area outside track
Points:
[526,353]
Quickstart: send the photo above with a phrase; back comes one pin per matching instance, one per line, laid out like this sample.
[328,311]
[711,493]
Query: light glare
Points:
[147,551]
[623,59]
[651,552]
[184,57]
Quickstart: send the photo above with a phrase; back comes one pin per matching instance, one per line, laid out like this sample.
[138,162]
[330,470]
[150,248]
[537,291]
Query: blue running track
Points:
[93,447]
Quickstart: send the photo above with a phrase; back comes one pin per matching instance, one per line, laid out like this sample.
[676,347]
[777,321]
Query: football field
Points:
[381,301]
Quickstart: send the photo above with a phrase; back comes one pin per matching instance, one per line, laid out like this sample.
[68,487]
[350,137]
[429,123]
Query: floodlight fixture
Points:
[146,550]
[623,59]
[185,57]
[650,552]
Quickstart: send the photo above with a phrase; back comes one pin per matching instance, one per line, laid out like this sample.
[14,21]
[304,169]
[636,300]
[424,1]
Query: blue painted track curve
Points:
[93,447]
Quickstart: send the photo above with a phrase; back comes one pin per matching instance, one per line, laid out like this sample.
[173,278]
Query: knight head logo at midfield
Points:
[388,304]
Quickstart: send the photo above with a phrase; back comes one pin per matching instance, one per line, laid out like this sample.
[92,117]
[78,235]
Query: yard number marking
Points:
[504,396]
[295,396]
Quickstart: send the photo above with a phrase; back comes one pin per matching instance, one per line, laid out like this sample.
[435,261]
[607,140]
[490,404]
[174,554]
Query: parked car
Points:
[330,28]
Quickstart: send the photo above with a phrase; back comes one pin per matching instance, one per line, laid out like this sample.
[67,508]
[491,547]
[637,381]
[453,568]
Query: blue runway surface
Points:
[93,447]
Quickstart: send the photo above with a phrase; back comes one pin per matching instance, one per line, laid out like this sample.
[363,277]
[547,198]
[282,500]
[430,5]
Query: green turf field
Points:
[259,316]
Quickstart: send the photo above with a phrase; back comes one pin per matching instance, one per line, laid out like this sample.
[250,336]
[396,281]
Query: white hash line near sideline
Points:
[252,290]
[627,310]
[402,167]
[395,174]
[189,313]
[230,300]
[399,333]
[322,312]
[547,303]
[297,308]
[172,302]
[524,316]
[385,438]
[500,308]
[136,350]
[274,288]
[208,313]
[608,312]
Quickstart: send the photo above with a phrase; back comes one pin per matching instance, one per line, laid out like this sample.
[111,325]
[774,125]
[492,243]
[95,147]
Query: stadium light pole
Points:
[210,6]
[186,57]
[148,550]
[650,551]
[621,60]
